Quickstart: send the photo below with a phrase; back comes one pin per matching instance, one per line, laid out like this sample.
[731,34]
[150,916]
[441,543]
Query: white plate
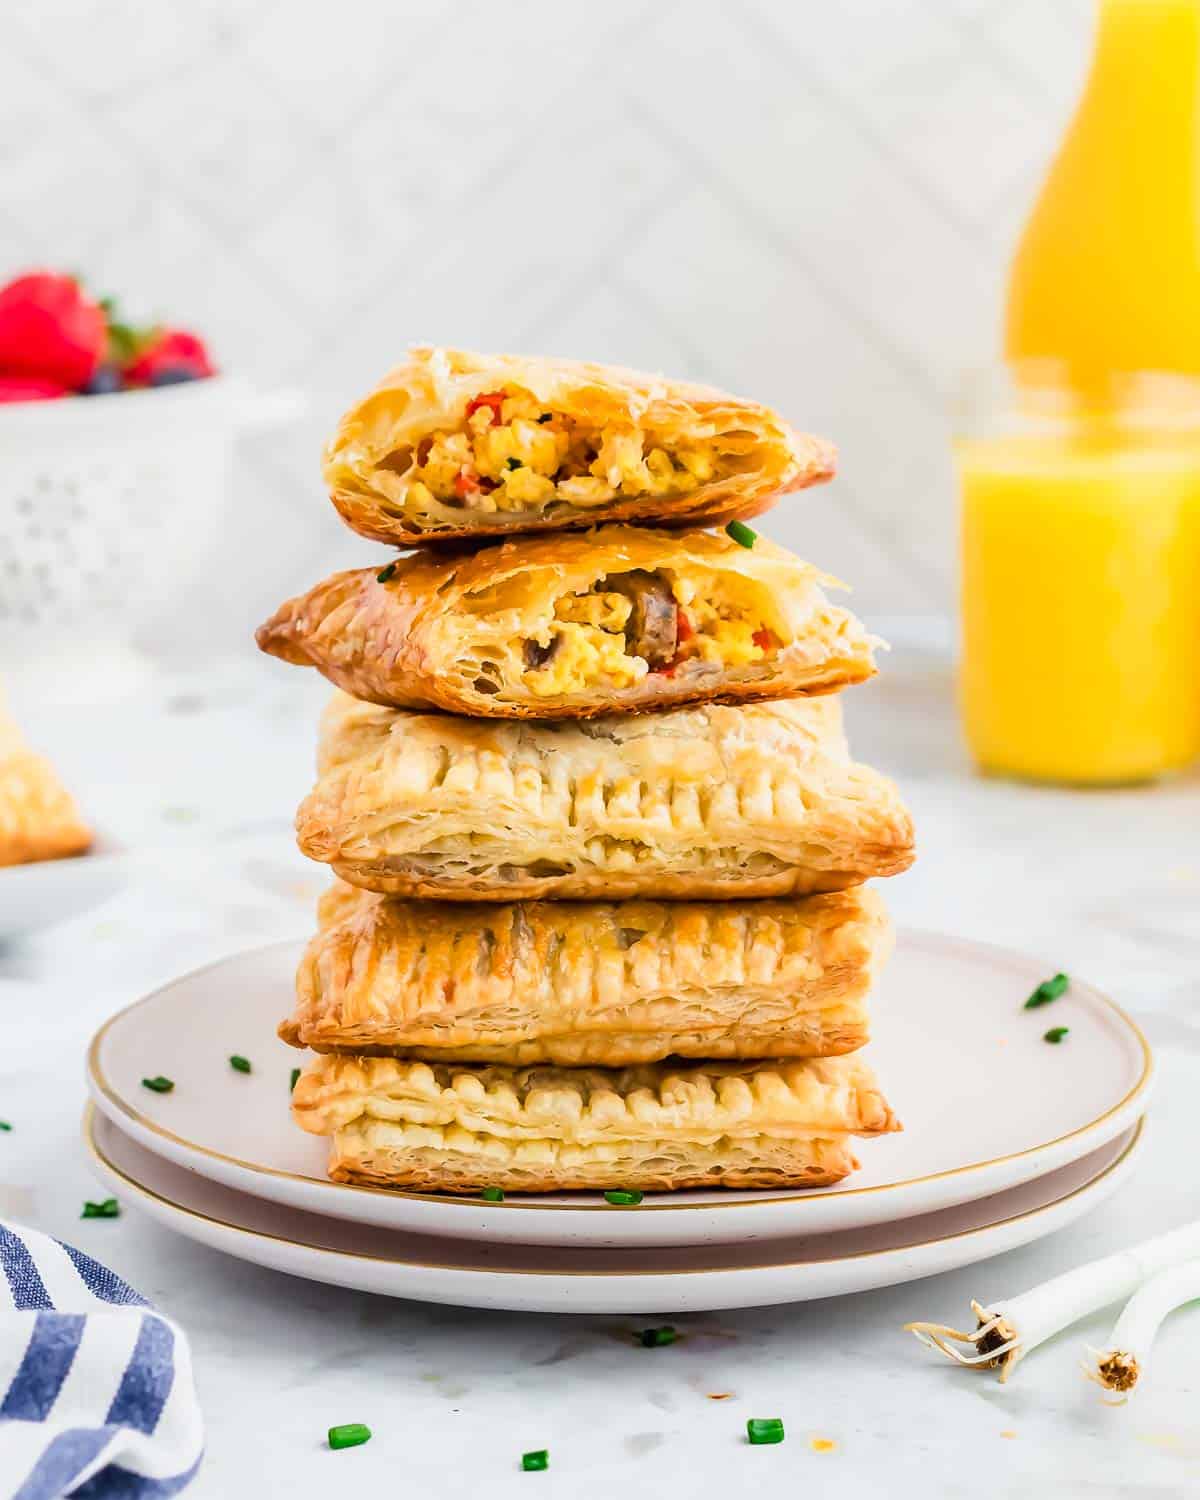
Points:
[986,1104]
[54,890]
[585,1279]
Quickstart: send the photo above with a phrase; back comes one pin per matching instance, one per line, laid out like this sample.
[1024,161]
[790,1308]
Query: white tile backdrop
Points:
[810,201]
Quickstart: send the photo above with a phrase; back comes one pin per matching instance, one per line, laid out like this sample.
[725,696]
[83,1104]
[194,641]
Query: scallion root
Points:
[1122,1362]
[1007,1329]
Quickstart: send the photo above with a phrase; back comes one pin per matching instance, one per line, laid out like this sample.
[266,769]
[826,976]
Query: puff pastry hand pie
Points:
[574,625]
[38,817]
[706,802]
[577,984]
[452,445]
[461,1128]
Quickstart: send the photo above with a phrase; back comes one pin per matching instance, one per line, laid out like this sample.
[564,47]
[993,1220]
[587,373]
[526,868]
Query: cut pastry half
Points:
[714,802]
[458,1129]
[570,626]
[453,445]
[38,816]
[578,984]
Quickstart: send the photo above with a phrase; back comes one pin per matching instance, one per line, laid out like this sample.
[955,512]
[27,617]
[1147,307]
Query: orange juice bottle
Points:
[1081,492]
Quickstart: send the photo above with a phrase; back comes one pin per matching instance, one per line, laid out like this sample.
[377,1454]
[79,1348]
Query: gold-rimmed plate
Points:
[987,1105]
[591,1279]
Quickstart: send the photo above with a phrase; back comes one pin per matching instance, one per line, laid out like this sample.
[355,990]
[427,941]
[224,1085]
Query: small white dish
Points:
[50,891]
[986,1104]
[586,1279]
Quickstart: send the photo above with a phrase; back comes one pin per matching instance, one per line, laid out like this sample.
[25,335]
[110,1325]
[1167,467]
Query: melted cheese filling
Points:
[513,456]
[589,649]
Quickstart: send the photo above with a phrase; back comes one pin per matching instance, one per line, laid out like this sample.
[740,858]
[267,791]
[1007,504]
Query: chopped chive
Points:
[1056,1034]
[159,1085]
[492,1195]
[742,534]
[538,1459]
[295,1075]
[765,1430]
[623,1197]
[546,416]
[655,1338]
[239,1064]
[349,1435]
[108,1209]
[1049,989]
[385,574]
[4,1125]
[512,463]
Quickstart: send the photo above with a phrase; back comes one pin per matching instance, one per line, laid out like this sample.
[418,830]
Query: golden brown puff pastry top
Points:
[38,816]
[573,625]
[573,983]
[458,445]
[588,1106]
[712,802]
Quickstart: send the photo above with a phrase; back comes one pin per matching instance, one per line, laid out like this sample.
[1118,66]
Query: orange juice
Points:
[1081,517]
[1107,275]
[1081,603]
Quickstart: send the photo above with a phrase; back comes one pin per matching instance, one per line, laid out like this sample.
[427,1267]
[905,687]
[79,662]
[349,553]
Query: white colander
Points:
[103,501]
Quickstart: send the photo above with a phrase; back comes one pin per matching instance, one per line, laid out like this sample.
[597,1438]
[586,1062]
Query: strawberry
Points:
[170,355]
[30,388]
[50,329]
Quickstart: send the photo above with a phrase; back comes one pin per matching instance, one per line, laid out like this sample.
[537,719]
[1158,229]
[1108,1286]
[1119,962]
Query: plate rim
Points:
[96,1155]
[100,1085]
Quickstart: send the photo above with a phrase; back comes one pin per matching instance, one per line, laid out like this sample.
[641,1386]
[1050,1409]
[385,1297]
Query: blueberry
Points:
[106,380]
[173,375]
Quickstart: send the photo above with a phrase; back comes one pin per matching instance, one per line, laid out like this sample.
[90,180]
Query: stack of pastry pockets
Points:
[38,816]
[599,918]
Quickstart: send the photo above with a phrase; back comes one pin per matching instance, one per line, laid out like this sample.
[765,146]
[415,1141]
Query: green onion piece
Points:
[546,416]
[742,534]
[239,1064]
[4,1125]
[655,1338]
[108,1209]
[386,573]
[765,1430]
[492,1195]
[295,1075]
[1049,989]
[538,1459]
[512,463]
[349,1435]
[159,1085]
[623,1197]
[1056,1034]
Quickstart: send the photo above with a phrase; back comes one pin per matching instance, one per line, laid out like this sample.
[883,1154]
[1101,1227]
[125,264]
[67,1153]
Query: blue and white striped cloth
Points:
[96,1394]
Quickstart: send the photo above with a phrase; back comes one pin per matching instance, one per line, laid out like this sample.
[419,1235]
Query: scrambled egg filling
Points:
[511,455]
[588,644]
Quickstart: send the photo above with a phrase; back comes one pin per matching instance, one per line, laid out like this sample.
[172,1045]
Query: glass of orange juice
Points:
[1080,548]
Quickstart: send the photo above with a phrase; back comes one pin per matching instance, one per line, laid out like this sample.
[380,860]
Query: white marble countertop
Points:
[199,776]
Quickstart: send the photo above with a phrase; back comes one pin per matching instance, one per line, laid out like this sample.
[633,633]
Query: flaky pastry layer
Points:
[714,802]
[578,984]
[576,625]
[456,445]
[38,817]
[460,1128]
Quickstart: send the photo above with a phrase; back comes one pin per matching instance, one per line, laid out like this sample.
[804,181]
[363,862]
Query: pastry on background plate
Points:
[575,984]
[712,802]
[577,624]
[460,1128]
[38,816]
[456,445]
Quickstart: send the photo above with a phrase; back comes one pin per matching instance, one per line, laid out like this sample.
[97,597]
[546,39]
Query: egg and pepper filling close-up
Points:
[628,625]
[511,454]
